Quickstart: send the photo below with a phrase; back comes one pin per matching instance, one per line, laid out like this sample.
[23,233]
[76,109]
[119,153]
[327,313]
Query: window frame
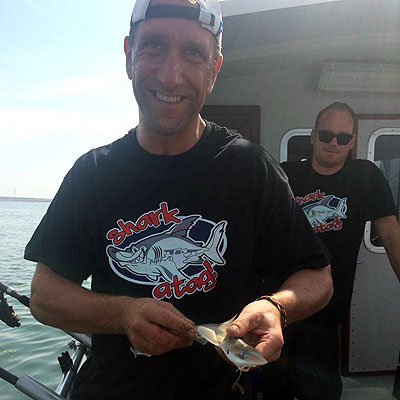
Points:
[370,156]
[287,136]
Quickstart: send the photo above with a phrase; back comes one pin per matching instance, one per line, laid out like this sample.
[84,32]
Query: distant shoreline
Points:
[5,198]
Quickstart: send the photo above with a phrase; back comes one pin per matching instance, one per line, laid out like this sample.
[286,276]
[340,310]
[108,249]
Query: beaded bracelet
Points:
[280,308]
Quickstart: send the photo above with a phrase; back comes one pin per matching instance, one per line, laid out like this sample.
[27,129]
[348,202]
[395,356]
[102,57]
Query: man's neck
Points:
[169,144]
[325,170]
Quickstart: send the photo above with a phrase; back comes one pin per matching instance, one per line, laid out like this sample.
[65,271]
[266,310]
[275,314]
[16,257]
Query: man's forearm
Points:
[389,231]
[152,327]
[305,292]
[58,302]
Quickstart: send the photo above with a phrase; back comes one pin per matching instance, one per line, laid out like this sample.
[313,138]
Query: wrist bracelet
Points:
[280,308]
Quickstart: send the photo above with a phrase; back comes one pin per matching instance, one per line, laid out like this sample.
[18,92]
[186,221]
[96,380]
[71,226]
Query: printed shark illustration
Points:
[320,212]
[166,253]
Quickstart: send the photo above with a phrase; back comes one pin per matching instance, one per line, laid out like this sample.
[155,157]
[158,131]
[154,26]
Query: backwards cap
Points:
[207,12]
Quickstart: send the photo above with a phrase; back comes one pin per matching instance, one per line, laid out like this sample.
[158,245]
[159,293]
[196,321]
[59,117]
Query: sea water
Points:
[32,348]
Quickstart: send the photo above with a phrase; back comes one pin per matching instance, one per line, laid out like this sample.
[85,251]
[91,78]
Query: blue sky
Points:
[63,88]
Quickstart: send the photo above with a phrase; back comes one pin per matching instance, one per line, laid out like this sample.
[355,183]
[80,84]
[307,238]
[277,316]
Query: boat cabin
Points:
[283,63]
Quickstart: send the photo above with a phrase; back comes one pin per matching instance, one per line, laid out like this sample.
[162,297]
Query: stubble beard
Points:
[162,125]
[334,163]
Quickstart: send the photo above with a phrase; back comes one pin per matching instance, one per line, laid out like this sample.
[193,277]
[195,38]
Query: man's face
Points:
[172,66]
[332,154]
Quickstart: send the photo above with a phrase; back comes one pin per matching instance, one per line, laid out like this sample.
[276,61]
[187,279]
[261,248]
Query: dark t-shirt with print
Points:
[337,206]
[208,230]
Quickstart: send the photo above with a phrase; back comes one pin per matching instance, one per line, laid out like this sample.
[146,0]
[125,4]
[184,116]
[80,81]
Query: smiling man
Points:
[179,223]
[338,195]
[172,72]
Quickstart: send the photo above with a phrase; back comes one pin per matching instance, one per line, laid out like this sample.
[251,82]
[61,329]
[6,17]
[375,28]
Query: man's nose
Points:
[170,71]
[334,141]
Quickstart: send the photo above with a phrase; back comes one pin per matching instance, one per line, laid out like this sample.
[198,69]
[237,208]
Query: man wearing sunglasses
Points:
[338,195]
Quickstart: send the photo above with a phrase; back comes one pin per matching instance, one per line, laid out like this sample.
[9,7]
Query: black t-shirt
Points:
[208,230]
[337,206]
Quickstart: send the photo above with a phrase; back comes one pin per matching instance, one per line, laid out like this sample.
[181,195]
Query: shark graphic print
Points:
[324,212]
[174,254]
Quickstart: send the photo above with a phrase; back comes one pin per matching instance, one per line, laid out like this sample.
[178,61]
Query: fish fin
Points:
[342,208]
[225,324]
[326,200]
[214,333]
[181,229]
[214,242]
[208,332]
[169,270]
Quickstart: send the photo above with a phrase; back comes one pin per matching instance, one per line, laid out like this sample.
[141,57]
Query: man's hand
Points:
[155,327]
[259,325]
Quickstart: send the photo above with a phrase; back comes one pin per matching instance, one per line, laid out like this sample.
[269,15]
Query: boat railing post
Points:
[68,376]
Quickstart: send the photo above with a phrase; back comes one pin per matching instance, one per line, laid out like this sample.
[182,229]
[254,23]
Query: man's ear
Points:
[128,57]
[353,139]
[219,63]
[213,78]
[313,136]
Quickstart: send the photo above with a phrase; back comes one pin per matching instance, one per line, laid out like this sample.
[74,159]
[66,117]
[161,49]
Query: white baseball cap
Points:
[208,13]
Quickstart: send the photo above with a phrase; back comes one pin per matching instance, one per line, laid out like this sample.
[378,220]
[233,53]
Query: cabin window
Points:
[296,145]
[384,151]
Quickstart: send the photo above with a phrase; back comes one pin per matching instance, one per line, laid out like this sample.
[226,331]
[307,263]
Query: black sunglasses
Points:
[341,138]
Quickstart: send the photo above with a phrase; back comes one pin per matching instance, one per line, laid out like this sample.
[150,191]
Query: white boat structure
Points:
[283,62]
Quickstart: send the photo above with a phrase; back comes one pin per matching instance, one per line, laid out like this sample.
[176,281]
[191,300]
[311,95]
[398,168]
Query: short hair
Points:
[338,106]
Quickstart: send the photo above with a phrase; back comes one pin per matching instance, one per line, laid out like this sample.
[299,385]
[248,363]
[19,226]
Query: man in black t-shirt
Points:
[338,195]
[180,222]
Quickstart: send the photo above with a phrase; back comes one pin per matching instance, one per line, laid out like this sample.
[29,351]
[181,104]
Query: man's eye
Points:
[194,53]
[152,45]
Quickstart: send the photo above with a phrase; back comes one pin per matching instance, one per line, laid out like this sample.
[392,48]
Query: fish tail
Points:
[214,242]
[342,208]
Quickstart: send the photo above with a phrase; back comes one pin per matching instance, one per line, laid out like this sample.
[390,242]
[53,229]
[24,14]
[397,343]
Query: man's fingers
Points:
[153,339]
[173,322]
[270,345]
[162,314]
[251,339]
[269,352]
[171,308]
[239,327]
[156,327]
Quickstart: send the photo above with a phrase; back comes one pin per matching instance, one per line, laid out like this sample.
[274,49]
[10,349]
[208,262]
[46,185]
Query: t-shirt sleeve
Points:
[62,240]
[381,202]
[286,241]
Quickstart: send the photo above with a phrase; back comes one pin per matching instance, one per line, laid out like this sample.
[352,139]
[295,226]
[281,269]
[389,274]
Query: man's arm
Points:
[153,327]
[389,232]
[302,294]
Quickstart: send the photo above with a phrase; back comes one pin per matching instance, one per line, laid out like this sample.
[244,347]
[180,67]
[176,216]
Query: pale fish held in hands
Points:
[237,350]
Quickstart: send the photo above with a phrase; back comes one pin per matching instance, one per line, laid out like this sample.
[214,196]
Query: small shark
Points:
[320,212]
[237,350]
[166,253]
